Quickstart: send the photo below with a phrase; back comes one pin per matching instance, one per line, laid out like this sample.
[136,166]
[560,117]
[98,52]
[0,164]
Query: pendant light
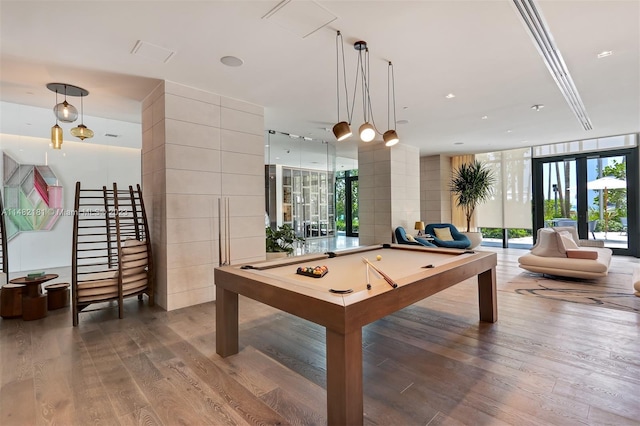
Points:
[367,131]
[56,132]
[341,130]
[56,137]
[82,132]
[391,136]
[65,112]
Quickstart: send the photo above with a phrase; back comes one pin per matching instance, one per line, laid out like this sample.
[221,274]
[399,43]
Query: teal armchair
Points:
[459,240]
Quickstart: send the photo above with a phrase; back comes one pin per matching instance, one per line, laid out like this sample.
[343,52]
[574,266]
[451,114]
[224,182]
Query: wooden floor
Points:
[543,362]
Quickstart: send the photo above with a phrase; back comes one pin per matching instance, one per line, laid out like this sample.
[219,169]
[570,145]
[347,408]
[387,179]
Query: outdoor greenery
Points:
[472,183]
[341,197]
[616,202]
[496,233]
[615,197]
[281,239]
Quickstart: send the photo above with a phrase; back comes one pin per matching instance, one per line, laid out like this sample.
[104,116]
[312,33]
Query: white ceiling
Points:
[478,50]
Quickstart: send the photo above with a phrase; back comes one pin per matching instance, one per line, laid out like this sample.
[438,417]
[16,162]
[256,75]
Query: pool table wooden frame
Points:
[345,315]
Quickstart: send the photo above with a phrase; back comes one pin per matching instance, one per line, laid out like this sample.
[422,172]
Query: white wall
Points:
[92,164]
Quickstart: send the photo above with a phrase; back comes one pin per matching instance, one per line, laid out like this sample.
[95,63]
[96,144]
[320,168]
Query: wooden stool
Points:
[58,295]
[11,300]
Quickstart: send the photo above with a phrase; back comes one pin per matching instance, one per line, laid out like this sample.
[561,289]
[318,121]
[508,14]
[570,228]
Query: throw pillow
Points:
[410,238]
[566,242]
[582,254]
[443,234]
[572,230]
[547,244]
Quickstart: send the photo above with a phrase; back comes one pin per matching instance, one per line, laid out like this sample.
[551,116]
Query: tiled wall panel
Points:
[200,149]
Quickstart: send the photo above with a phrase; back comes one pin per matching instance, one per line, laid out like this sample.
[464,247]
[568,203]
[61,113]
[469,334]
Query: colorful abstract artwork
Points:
[32,197]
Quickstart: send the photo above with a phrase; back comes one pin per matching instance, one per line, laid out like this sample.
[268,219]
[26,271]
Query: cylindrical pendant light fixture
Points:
[56,137]
[390,138]
[367,132]
[369,129]
[342,130]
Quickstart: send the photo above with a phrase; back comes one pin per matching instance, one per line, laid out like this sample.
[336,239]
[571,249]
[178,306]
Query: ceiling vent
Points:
[302,18]
[543,40]
[111,135]
[152,51]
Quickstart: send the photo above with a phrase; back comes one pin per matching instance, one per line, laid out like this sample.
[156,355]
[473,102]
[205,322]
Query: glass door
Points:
[346,190]
[588,191]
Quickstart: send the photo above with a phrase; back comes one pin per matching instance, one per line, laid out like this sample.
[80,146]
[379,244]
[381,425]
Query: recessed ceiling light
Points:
[266,146]
[537,107]
[509,131]
[231,61]
[450,96]
[605,53]
[484,117]
[402,122]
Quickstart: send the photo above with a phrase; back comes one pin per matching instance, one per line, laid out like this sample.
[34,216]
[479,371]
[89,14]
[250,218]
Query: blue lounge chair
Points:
[459,240]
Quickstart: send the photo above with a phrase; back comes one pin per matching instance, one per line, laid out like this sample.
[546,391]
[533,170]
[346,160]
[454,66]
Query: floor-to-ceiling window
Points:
[505,219]
[589,184]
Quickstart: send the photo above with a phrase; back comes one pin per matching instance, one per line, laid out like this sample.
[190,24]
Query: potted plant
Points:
[472,183]
[280,242]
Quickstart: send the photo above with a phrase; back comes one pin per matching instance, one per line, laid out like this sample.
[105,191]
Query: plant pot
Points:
[474,237]
[276,255]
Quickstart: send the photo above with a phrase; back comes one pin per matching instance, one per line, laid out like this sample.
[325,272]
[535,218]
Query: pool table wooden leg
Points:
[226,322]
[344,378]
[487,296]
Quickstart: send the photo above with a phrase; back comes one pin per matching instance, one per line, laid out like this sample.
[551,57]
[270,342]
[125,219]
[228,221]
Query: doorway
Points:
[590,191]
[347,220]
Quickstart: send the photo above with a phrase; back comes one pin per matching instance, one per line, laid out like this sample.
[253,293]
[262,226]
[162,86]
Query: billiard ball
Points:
[378,257]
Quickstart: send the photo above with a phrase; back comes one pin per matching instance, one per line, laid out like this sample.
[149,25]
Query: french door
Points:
[593,192]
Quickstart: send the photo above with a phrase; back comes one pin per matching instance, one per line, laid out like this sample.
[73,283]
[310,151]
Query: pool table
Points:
[342,302]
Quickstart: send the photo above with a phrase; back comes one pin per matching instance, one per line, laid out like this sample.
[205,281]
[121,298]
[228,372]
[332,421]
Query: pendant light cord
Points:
[365,86]
[391,92]
[340,50]
[54,107]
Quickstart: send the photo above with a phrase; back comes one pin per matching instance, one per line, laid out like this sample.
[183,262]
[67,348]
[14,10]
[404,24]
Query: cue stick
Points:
[368,280]
[386,277]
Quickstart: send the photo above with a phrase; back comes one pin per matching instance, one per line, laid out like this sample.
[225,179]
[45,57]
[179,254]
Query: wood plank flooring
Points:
[544,362]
